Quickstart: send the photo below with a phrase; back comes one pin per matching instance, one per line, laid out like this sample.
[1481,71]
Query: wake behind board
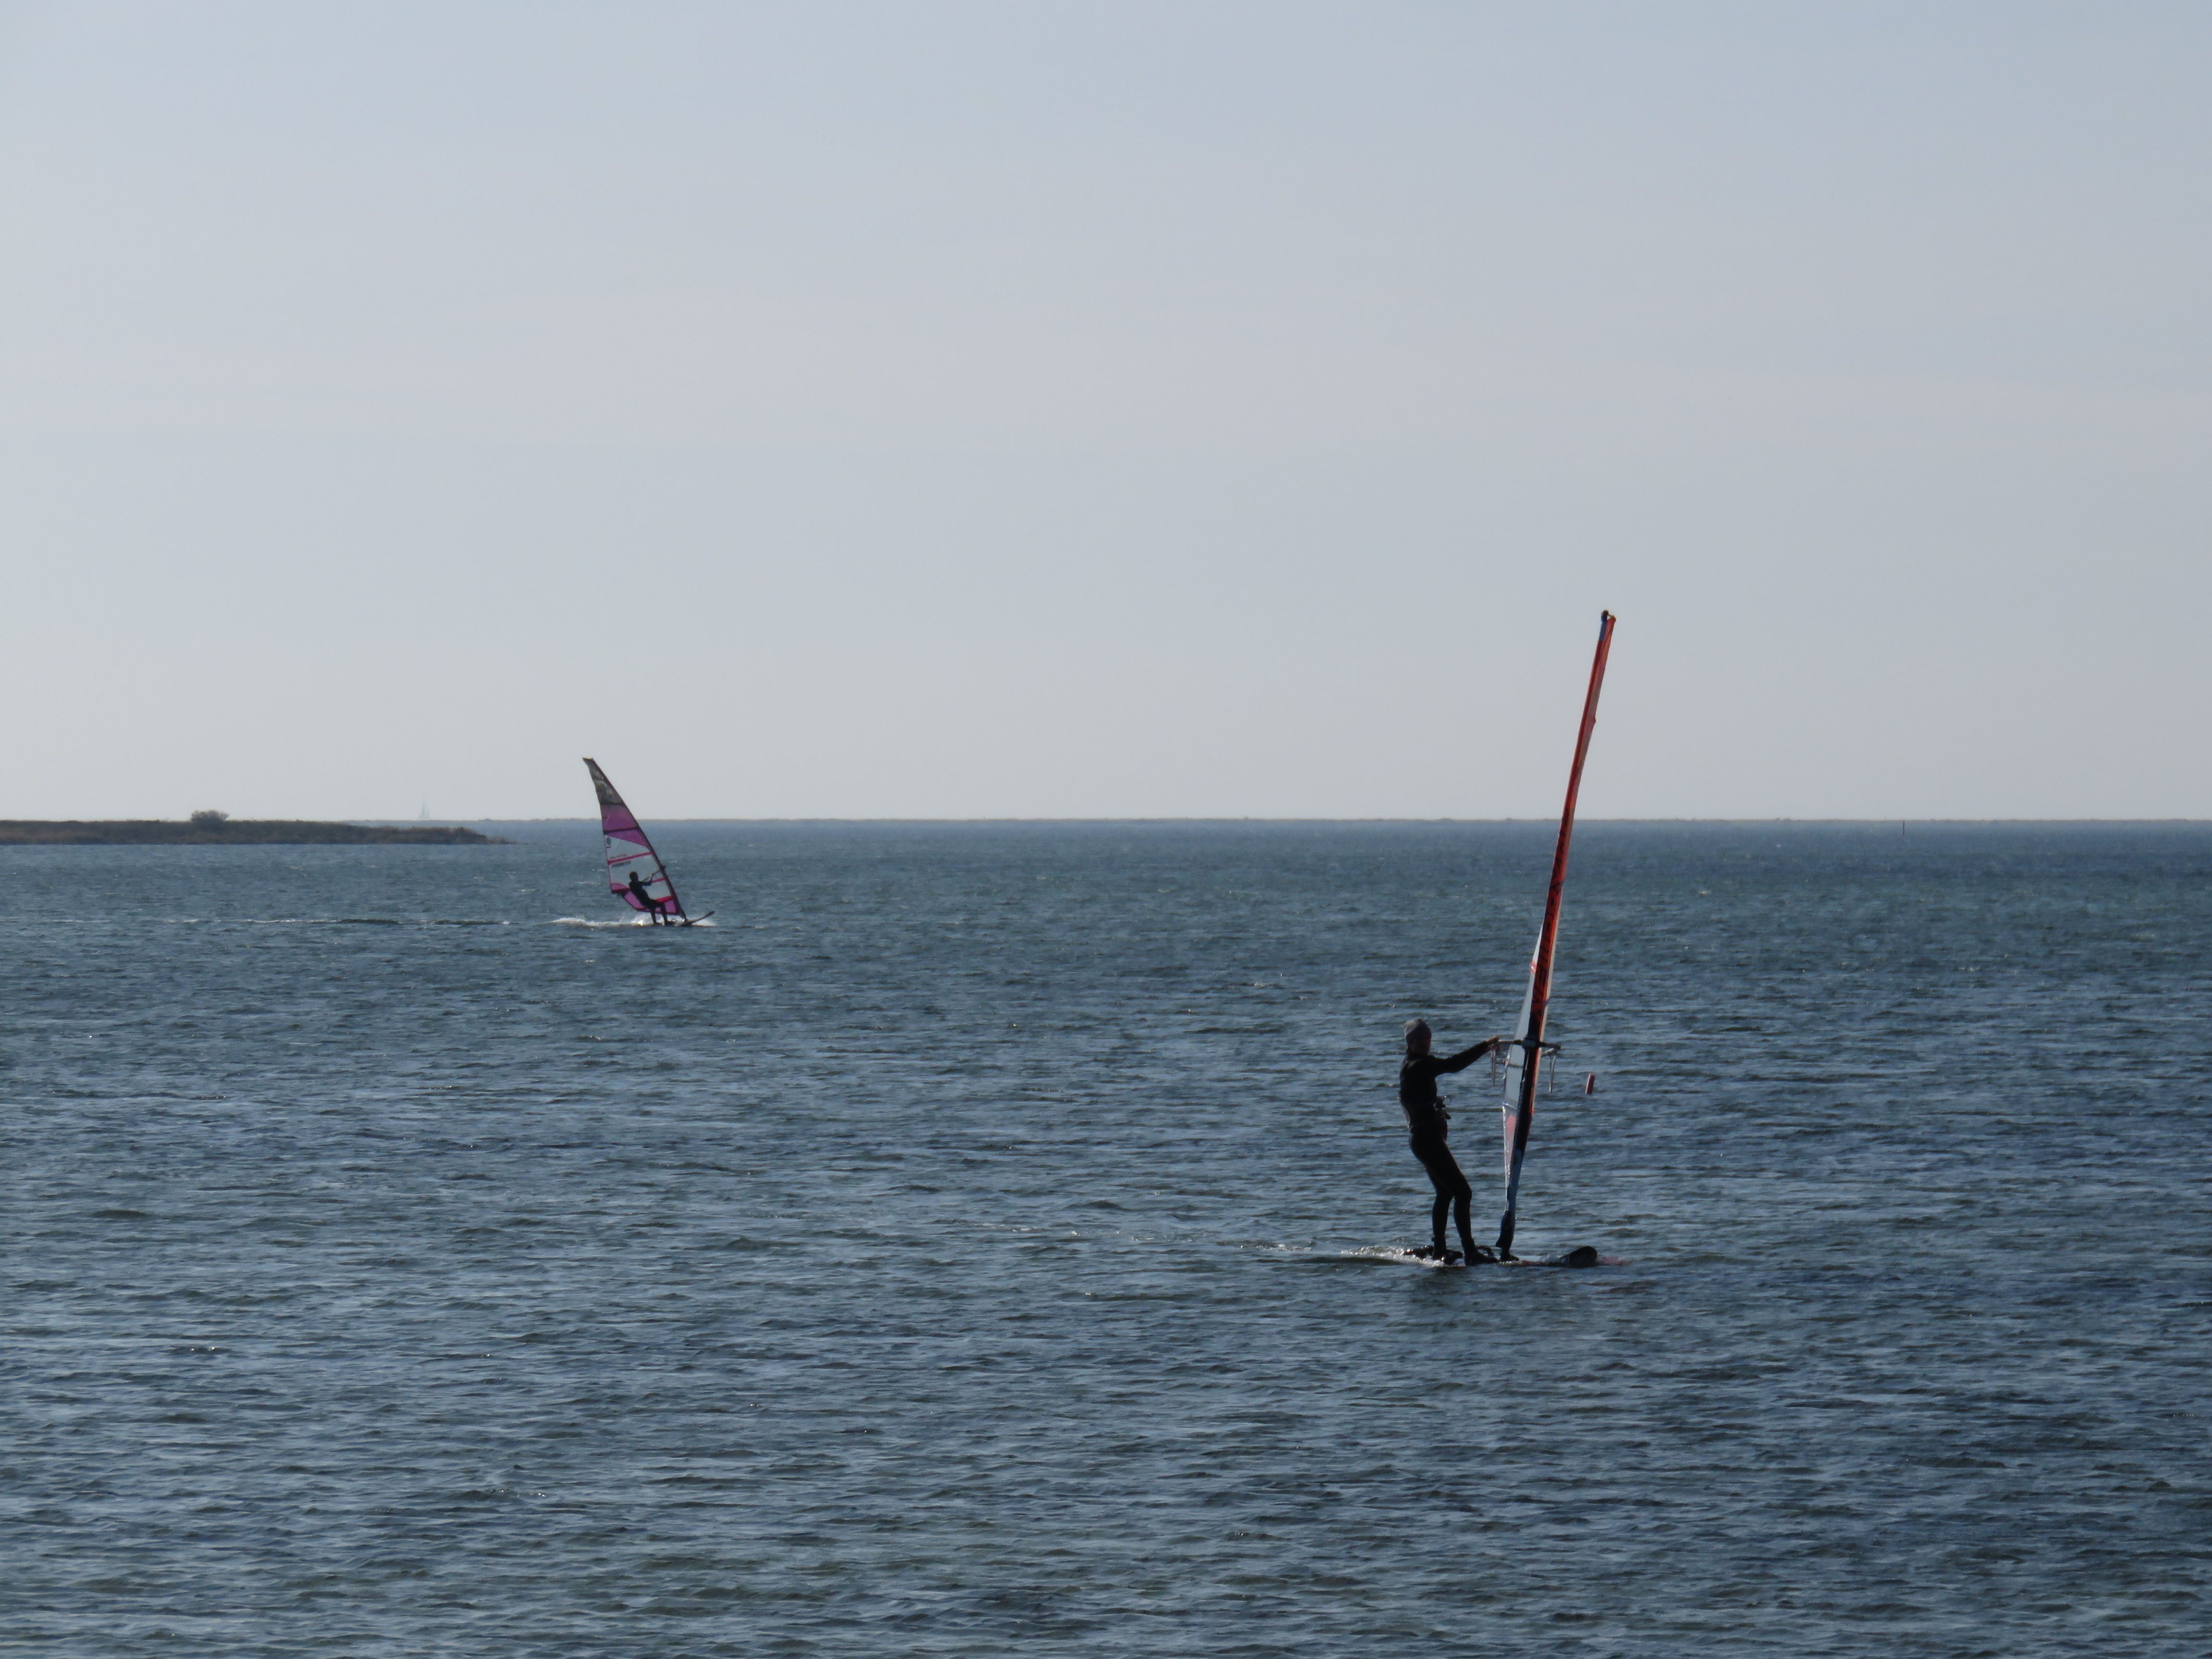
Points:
[1412,1261]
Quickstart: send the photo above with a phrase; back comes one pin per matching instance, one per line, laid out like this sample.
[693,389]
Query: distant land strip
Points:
[213,829]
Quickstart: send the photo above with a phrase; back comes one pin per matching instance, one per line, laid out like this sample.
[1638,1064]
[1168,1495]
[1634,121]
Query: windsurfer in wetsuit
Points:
[646,901]
[1428,1123]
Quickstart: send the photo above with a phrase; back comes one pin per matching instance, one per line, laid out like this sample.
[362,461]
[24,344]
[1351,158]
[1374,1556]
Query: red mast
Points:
[1529,1047]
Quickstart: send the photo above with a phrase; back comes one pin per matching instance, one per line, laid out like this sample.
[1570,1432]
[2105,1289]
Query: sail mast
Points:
[1526,1059]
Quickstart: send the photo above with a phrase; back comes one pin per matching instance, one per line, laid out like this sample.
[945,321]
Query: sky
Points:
[1068,409]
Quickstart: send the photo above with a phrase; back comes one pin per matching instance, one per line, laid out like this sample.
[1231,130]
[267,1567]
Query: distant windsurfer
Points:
[1428,1123]
[646,901]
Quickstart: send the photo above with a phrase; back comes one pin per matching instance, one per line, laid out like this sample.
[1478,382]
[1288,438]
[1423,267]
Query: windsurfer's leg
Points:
[1460,1202]
[1450,1185]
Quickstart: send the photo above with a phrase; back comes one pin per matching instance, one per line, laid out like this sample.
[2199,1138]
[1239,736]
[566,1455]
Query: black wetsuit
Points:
[637,891]
[1428,1123]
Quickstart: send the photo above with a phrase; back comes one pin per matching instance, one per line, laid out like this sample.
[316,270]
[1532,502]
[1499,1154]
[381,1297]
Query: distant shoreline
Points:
[210,829]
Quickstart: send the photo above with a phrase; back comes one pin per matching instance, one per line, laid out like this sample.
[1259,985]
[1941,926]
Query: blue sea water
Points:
[969,1245]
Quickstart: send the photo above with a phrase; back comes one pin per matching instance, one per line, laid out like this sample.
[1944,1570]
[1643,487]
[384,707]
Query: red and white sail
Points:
[1525,1058]
[634,873]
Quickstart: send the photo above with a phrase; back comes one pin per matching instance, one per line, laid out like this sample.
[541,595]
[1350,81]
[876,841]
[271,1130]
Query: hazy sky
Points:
[952,410]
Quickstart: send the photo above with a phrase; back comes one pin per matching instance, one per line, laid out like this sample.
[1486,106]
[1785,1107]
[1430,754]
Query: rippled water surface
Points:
[966,1246]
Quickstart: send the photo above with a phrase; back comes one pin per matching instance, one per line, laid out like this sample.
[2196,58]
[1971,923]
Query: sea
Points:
[975,1240]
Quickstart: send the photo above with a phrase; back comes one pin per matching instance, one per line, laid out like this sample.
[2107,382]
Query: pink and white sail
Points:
[636,874]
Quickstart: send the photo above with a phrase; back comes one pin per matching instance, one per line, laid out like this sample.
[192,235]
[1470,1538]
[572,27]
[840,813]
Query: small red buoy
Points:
[1589,1084]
